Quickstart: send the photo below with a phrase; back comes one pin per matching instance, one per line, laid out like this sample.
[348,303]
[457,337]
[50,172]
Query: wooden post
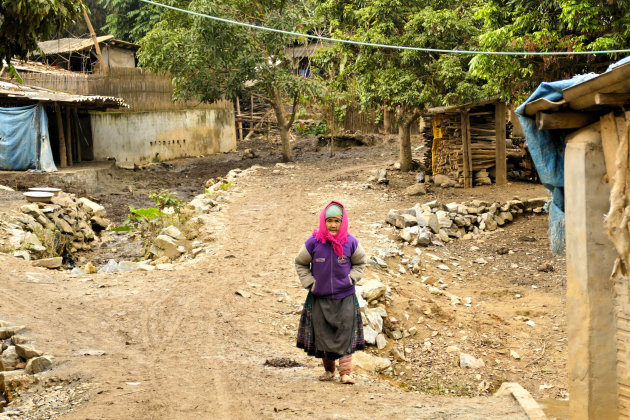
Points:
[251,114]
[62,141]
[77,131]
[610,141]
[96,46]
[590,256]
[466,152]
[238,118]
[501,163]
[68,137]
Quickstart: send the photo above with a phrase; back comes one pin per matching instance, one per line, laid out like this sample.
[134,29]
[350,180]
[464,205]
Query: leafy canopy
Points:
[130,20]
[416,79]
[209,60]
[24,22]
[546,25]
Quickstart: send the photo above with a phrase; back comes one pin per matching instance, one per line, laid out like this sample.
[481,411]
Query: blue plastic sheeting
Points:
[547,150]
[24,141]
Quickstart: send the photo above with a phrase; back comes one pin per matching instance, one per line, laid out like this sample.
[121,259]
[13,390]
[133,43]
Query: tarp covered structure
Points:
[24,140]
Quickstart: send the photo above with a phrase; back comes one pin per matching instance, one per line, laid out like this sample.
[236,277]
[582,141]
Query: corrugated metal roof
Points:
[68,45]
[23,93]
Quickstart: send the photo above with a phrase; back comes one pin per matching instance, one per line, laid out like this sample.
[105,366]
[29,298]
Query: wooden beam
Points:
[77,131]
[612,98]
[96,46]
[63,162]
[610,141]
[466,154]
[563,120]
[68,137]
[501,162]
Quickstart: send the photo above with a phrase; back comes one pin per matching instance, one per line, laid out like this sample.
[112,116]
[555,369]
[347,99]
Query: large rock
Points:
[444,220]
[369,334]
[27,351]
[381,176]
[429,219]
[368,363]
[39,364]
[425,236]
[374,319]
[173,232]
[410,233]
[9,359]
[10,331]
[54,262]
[168,246]
[442,180]
[373,289]
[468,361]
[93,208]
[16,379]
[415,190]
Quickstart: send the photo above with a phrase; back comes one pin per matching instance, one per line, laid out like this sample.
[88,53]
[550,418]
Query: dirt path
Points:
[182,344]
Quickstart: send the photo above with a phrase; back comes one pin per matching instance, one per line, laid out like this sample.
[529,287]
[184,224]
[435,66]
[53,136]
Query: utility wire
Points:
[369,44]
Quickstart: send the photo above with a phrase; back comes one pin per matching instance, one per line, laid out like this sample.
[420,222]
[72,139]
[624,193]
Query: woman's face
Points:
[332,225]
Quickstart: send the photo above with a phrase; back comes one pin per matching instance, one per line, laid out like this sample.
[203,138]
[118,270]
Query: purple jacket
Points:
[333,279]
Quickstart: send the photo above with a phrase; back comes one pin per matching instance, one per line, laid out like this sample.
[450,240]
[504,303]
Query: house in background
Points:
[153,127]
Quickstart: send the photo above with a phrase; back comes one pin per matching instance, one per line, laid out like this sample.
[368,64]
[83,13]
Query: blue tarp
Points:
[547,150]
[24,141]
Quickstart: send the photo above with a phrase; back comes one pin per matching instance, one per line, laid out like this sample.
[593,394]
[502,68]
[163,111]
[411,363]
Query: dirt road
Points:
[182,344]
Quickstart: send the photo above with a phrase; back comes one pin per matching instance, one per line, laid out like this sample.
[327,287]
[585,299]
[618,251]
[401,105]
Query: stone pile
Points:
[373,297]
[436,223]
[41,230]
[20,361]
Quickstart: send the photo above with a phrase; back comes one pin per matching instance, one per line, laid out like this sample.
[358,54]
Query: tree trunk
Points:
[404,136]
[387,118]
[283,125]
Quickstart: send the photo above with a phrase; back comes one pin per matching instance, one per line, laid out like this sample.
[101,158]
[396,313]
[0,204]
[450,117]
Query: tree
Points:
[209,60]
[546,25]
[79,28]
[409,81]
[130,20]
[24,22]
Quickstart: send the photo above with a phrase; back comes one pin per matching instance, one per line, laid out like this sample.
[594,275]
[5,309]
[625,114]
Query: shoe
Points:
[346,379]
[327,376]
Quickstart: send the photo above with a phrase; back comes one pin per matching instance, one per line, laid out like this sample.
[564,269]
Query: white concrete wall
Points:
[141,137]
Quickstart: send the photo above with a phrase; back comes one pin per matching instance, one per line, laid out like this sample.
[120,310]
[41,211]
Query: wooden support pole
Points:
[610,141]
[501,161]
[62,141]
[618,99]
[467,158]
[564,120]
[68,137]
[96,46]
[251,115]
[238,118]
[77,131]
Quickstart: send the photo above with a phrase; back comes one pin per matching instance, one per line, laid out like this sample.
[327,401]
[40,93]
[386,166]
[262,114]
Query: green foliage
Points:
[24,22]
[56,243]
[146,223]
[546,25]
[312,129]
[130,20]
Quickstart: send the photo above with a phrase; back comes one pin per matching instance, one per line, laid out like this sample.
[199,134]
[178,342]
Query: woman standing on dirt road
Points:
[329,264]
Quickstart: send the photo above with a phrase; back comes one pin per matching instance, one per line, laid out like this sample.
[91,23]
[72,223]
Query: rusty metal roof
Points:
[595,95]
[68,45]
[29,94]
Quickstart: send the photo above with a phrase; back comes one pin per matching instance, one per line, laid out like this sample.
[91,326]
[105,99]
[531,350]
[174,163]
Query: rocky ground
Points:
[213,335]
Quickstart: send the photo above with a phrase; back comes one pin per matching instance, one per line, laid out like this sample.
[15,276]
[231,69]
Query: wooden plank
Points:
[604,80]
[467,158]
[612,98]
[610,142]
[63,162]
[77,131]
[68,137]
[563,120]
[501,161]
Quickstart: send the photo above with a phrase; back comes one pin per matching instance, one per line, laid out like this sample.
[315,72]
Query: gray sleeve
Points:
[359,261]
[303,267]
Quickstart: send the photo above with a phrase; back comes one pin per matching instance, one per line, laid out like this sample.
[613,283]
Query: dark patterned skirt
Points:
[330,328]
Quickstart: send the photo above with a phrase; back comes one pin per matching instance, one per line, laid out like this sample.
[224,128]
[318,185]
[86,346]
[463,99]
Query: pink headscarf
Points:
[322,235]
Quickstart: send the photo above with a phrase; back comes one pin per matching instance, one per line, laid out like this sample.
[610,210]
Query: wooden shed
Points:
[597,209]
[469,138]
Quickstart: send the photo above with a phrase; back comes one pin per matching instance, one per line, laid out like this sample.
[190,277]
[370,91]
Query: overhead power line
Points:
[369,44]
